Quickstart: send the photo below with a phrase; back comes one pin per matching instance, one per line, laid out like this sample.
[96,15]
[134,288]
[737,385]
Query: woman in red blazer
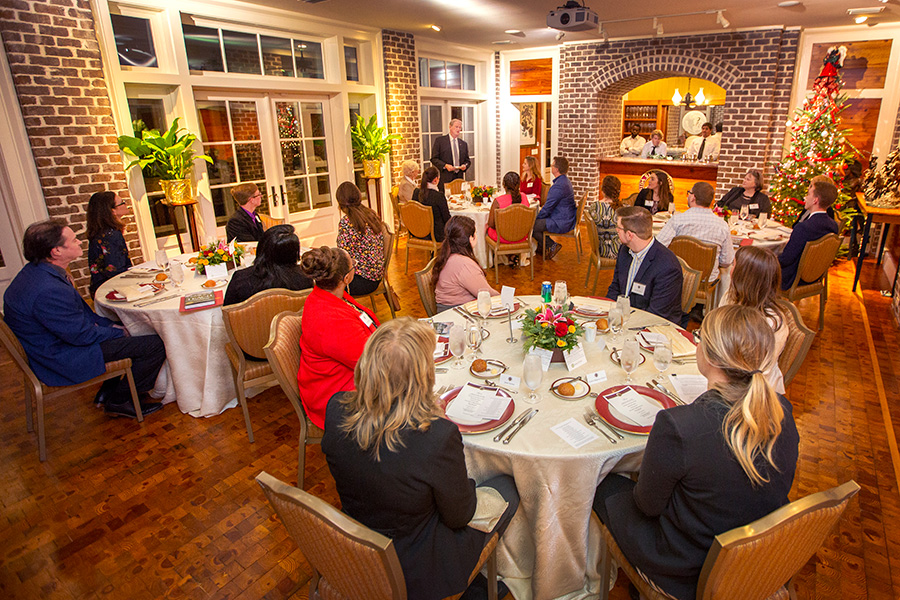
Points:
[335,330]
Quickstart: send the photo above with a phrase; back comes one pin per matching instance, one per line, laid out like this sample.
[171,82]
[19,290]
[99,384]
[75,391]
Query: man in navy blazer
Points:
[646,271]
[244,224]
[65,341]
[821,195]
[558,213]
[452,166]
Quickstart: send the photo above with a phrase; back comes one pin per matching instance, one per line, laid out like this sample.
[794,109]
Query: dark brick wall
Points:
[54,57]
[402,99]
[754,67]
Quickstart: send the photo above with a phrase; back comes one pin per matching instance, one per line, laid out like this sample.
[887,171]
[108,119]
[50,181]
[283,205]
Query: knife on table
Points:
[155,300]
[525,414]
[519,427]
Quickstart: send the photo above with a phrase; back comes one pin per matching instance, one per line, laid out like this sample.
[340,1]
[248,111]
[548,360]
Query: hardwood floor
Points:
[169,508]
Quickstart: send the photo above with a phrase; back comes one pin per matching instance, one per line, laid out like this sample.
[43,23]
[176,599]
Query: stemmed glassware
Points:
[473,339]
[629,358]
[763,219]
[457,344]
[615,322]
[176,272]
[662,355]
[532,375]
[745,212]
[623,303]
[484,304]
[162,259]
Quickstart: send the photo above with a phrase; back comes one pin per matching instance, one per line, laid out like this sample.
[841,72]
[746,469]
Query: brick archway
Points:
[645,66]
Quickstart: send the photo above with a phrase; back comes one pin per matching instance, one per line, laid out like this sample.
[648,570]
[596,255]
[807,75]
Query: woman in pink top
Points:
[457,277]
[512,196]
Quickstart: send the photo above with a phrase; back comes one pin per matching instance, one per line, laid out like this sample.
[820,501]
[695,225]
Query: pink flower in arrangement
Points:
[548,316]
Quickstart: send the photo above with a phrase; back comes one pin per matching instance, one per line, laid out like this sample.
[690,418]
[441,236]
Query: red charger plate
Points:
[115,296]
[446,356]
[481,427]
[607,415]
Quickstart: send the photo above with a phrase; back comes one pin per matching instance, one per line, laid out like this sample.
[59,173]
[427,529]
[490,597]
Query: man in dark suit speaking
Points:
[450,154]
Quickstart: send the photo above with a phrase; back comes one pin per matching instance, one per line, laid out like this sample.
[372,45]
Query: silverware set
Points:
[155,300]
[658,386]
[518,423]
[595,421]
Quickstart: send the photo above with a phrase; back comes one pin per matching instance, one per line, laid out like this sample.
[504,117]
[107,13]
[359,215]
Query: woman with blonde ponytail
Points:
[721,462]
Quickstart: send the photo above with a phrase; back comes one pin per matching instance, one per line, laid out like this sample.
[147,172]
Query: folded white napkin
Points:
[489,509]
[136,292]
[681,347]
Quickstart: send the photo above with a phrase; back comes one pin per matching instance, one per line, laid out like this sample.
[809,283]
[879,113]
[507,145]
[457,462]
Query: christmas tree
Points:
[818,145]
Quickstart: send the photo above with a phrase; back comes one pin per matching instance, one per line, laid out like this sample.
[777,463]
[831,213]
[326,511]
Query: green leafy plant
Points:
[550,330]
[370,142]
[169,156]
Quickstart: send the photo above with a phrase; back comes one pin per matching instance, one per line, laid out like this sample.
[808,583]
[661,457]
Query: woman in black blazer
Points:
[429,195]
[657,196]
[749,193]
[399,467]
[705,471]
[275,266]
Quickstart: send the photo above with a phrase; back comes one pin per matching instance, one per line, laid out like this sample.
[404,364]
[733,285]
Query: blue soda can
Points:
[546,291]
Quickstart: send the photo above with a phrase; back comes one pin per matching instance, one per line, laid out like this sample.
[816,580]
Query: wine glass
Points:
[615,322]
[176,272]
[745,212]
[629,358]
[473,339]
[560,294]
[763,219]
[623,303]
[484,304]
[162,259]
[662,355]
[532,375]
[732,220]
[457,344]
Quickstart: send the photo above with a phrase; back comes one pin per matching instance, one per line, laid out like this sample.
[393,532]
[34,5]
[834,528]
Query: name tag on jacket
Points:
[638,288]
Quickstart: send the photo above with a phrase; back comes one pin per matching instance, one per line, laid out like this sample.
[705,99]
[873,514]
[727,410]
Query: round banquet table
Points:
[551,549]
[773,236]
[478,213]
[198,376]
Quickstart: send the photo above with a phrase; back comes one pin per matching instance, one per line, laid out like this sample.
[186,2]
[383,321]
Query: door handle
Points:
[274,196]
[283,197]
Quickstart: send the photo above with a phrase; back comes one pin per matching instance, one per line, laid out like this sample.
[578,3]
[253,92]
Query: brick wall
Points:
[498,177]
[54,58]
[754,67]
[402,98]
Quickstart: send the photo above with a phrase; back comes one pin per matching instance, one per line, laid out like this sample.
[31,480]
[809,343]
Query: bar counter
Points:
[684,174]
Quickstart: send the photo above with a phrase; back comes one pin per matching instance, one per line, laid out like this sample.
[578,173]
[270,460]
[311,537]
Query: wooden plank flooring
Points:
[170,509]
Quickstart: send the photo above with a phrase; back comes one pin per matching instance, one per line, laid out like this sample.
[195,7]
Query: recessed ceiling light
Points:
[436,27]
[789,3]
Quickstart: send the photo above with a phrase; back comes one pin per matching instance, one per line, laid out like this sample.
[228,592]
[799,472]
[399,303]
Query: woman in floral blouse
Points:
[107,252]
[604,215]
[361,234]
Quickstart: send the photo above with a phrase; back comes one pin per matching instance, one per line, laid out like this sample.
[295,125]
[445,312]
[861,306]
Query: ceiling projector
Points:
[573,16]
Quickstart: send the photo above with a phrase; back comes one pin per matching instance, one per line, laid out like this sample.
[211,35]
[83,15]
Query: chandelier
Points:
[688,101]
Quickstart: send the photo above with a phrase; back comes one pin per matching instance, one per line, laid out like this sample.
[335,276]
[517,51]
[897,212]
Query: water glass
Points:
[457,344]
[623,303]
[176,272]
[560,294]
[590,332]
[484,304]
[162,259]
[473,339]
[745,212]
[763,219]
[615,322]
[732,220]
[629,357]
[662,355]
[532,375]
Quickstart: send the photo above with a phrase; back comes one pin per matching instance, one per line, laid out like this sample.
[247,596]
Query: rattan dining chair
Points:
[799,341]
[574,233]
[268,221]
[35,388]
[690,283]
[814,264]
[349,560]
[703,257]
[247,327]
[751,562]
[384,288]
[515,222]
[398,219]
[455,186]
[545,189]
[601,263]
[283,353]
[426,290]
[419,221]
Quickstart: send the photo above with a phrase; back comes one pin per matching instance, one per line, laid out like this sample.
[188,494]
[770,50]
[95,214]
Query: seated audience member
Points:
[361,234]
[531,181]
[721,462]
[399,466]
[429,194]
[647,272]
[410,170]
[698,221]
[275,266]
[705,145]
[633,144]
[66,342]
[756,282]
[457,277]
[655,148]
[821,195]
[335,329]
[107,251]
[657,194]
[244,225]
[604,215]
[512,196]
[749,193]
[559,212]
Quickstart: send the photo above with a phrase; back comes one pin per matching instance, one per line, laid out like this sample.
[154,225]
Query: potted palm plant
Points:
[168,156]
[370,144]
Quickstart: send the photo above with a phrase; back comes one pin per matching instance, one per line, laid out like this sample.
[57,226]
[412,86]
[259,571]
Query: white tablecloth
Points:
[199,376]
[550,550]
[479,214]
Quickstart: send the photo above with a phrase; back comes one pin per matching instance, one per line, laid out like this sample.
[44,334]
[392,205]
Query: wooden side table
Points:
[377,183]
[191,222]
[877,215]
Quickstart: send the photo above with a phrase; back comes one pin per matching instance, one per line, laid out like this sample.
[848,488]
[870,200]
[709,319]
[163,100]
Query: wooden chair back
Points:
[643,181]
[455,186]
[346,556]
[545,189]
[515,222]
[699,255]
[418,219]
[799,341]
[690,283]
[426,291]
[596,260]
[817,257]
[384,287]
[593,237]
[398,219]
[777,546]
[268,221]
[247,323]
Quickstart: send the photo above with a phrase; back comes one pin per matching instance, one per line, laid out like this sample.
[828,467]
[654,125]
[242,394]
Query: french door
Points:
[435,121]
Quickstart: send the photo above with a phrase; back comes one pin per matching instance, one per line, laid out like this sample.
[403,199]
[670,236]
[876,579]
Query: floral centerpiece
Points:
[216,253]
[480,192]
[550,330]
[722,211]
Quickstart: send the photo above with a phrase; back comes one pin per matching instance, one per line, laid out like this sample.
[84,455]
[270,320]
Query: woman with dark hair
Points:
[513,195]
[361,234]
[721,462]
[604,215]
[275,266]
[756,282]
[457,277]
[531,178]
[399,466]
[107,251]
[335,329]
[429,194]
[750,192]
[657,196]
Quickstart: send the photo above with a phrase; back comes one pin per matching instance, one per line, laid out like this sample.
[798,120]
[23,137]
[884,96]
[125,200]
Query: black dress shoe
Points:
[105,393]
[126,409]
[477,590]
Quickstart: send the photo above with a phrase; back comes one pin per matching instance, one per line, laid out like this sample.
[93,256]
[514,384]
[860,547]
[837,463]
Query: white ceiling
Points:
[478,23]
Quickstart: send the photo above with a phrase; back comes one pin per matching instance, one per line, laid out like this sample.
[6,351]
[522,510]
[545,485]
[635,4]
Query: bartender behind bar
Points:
[632,145]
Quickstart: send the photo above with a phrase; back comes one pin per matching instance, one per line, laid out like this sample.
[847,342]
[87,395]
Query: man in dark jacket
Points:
[817,223]
[244,224]
[450,154]
[559,211]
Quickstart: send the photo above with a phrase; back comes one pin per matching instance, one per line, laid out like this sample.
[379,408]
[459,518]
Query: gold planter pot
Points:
[178,191]
[371,169]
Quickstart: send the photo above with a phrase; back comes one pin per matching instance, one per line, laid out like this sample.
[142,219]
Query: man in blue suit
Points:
[646,271]
[558,213]
[65,341]
[821,195]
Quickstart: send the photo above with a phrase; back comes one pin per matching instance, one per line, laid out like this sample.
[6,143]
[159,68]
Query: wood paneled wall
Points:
[531,77]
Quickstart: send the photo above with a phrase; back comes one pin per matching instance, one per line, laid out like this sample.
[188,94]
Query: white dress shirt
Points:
[710,150]
[650,151]
[632,146]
